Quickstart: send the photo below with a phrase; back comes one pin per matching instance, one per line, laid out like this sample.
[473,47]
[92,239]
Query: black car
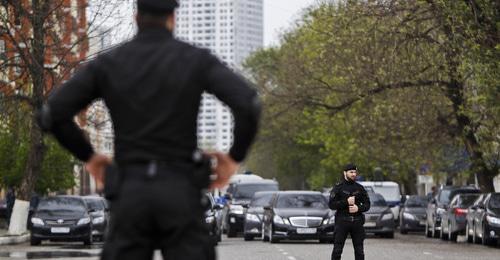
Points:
[487,226]
[472,217]
[99,212]
[438,205]
[239,194]
[211,216]
[61,218]
[379,219]
[298,215]
[255,213]
[412,214]
[454,220]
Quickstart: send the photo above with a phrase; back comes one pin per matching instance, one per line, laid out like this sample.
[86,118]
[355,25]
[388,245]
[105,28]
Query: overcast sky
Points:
[279,15]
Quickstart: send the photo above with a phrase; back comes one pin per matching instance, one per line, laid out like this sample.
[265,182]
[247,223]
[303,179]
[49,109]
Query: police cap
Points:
[157,6]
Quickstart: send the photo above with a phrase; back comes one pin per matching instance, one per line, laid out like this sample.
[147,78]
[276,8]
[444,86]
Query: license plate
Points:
[370,224]
[306,231]
[59,230]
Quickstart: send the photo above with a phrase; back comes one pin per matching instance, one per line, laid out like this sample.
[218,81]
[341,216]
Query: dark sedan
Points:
[298,215]
[412,214]
[454,220]
[379,219]
[99,214]
[61,218]
[487,228]
[255,212]
[211,215]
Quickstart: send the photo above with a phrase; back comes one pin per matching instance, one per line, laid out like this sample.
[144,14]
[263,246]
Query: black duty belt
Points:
[350,218]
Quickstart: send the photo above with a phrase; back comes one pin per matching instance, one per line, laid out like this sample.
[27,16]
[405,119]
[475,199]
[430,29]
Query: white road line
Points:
[292,258]
[285,253]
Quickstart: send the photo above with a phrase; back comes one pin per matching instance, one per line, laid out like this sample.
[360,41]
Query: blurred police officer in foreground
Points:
[152,86]
[350,200]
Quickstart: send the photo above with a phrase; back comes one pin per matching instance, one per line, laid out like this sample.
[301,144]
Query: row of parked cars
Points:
[69,218]
[454,211]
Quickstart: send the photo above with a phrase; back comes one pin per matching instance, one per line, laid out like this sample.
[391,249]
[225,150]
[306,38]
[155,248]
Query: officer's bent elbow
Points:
[44,118]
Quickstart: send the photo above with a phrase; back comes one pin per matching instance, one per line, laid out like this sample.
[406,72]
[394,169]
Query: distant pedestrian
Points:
[431,194]
[10,200]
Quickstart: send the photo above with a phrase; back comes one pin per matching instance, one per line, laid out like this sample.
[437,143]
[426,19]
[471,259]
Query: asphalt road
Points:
[408,247]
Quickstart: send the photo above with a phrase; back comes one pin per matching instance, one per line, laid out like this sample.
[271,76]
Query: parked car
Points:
[61,218]
[487,226]
[298,215]
[472,216]
[3,210]
[454,219]
[254,214]
[211,217]
[438,205]
[412,215]
[379,219]
[239,194]
[389,190]
[99,212]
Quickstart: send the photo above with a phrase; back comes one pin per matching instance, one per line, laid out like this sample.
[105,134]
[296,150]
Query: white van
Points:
[389,190]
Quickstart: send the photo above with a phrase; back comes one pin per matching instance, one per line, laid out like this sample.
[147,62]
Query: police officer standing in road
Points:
[350,200]
[152,86]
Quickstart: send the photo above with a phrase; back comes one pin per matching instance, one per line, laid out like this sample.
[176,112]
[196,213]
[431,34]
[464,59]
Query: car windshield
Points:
[61,204]
[495,201]
[377,200]
[247,191]
[444,196]
[416,202]
[94,204]
[261,200]
[301,201]
[467,200]
[390,193]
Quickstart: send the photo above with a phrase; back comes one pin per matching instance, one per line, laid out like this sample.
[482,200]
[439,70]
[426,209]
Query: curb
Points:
[17,239]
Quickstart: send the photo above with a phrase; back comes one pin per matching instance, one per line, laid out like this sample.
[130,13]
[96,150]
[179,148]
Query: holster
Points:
[112,182]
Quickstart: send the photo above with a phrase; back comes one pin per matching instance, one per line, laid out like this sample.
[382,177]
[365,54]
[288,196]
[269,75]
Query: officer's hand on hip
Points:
[351,200]
[223,170]
[353,208]
[96,166]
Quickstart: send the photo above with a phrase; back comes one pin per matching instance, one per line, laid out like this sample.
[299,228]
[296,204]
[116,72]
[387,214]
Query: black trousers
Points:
[161,212]
[342,229]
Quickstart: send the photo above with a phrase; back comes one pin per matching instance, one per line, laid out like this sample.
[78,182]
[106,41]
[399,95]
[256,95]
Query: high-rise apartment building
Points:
[231,30]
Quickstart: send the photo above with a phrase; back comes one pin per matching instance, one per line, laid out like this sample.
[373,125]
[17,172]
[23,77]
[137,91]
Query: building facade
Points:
[231,30]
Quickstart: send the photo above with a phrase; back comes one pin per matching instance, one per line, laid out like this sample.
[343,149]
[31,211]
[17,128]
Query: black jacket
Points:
[152,86]
[342,191]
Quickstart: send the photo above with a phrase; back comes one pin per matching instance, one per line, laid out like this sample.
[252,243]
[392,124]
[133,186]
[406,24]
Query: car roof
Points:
[378,183]
[263,181]
[300,192]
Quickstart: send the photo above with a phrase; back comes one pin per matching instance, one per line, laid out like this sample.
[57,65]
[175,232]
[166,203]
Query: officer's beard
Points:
[353,179]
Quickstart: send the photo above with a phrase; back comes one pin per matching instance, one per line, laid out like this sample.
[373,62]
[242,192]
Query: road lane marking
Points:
[292,258]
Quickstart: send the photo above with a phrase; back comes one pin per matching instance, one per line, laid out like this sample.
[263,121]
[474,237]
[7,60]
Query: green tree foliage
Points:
[382,83]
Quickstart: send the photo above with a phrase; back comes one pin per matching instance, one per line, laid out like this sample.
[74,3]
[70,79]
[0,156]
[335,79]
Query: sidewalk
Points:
[6,239]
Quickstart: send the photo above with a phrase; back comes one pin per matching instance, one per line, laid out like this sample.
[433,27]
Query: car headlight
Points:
[387,216]
[83,221]
[98,220]
[37,221]
[236,209]
[408,216]
[440,211]
[279,220]
[252,218]
[209,219]
[330,220]
[493,220]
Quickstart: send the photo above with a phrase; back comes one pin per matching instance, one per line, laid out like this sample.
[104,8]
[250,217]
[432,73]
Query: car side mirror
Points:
[267,207]
[245,206]
[92,210]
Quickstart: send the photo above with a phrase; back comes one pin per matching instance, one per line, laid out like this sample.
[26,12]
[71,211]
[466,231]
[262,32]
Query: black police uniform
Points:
[152,86]
[349,223]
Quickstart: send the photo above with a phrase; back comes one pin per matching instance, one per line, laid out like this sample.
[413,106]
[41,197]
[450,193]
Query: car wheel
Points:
[452,236]
[35,241]
[247,237]
[442,235]
[388,235]
[272,239]
[486,240]
[427,231]
[435,233]
[230,231]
